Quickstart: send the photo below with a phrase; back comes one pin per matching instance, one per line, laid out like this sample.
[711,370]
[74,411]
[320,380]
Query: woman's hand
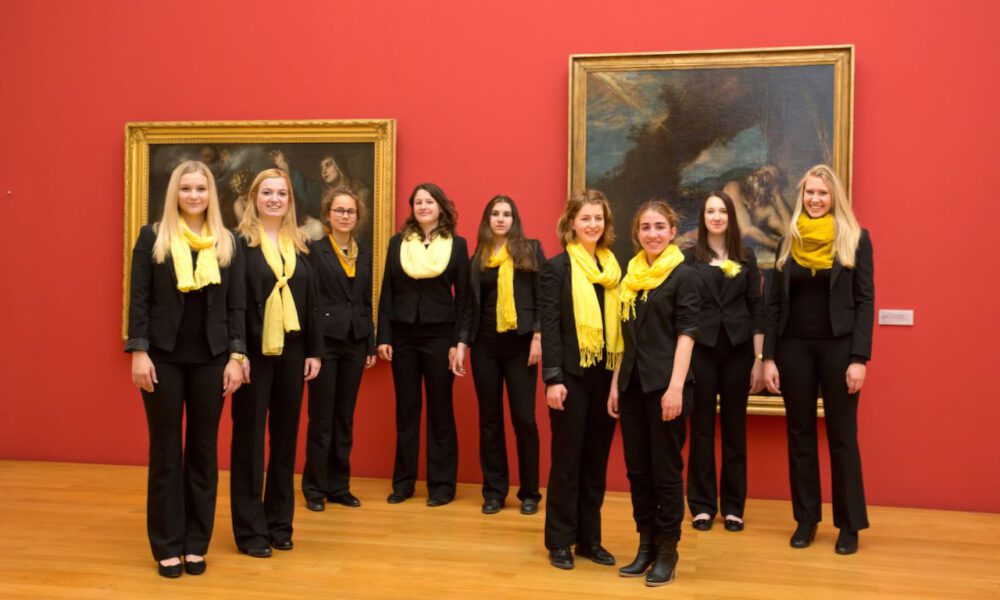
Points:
[613,402]
[370,361]
[312,368]
[535,353]
[385,352]
[555,396]
[771,379]
[143,371]
[671,403]
[456,357]
[856,377]
[757,376]
[245,367]
[232,377]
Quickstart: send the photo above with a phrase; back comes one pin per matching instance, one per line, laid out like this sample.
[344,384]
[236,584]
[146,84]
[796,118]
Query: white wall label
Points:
[895,317]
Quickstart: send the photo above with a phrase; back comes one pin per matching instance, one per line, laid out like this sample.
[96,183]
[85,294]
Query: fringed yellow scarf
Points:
[280,315]
[643,277]
[730,268]
[506,310]
[206,271]
[420,262]
[816,250]
[347,261]
[592,328]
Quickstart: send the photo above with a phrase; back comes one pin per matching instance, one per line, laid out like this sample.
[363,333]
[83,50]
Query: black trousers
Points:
[722,371]
[180,497]
[653,459]
[581,441]
[496,359]
[805,366]
[332,398]
[423,359]
[272,401]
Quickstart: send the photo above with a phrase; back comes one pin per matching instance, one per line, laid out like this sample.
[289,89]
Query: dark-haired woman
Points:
[727,362]
[424,293]
[652,391]
[820,312]
[343,269]
[581,343]
[186,337]
[504,329]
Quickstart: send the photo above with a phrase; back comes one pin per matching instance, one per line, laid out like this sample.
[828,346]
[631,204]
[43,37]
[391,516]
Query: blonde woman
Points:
[186,336]
[818,336]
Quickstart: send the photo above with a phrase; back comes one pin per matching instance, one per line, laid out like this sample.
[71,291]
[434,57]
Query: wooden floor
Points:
[78,531]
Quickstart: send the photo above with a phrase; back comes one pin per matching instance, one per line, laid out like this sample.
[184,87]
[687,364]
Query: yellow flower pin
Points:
[730,268]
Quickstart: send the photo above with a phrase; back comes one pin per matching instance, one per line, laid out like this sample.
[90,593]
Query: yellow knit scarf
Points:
[347,261]
[206,271]
[420,262]
[592,329]
[815,252]
[642,276]
[280,315]
[506,310]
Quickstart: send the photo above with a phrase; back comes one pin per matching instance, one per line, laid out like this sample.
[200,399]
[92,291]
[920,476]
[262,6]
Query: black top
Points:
[488,300]
[527,288]
[732,305]
[343,304]
[809,302]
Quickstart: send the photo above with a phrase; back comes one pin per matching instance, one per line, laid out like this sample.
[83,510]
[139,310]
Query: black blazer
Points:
[527,287]
[260,281]
[738,305]
[671,309]
[852,302]
[343,304]
[403,298]
[156,306]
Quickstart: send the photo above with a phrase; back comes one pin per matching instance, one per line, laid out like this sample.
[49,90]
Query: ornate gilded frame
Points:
[141,135]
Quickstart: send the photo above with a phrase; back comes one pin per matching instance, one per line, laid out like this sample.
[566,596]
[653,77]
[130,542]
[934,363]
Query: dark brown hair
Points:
[565,226]
[659,206]
[327,201]
[520,249]
[446,221]
[734,241]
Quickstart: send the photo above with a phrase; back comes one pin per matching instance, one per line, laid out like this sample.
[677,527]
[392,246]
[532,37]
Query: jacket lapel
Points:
[837,268]
[334,263]
[707,276]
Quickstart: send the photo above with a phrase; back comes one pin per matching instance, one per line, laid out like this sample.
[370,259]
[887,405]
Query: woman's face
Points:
[343,214]
[192,194]
[655,234]
[328,170]
[816,198]
[716,216]
[588,225]
[501,219]
[272,198]
[426,210]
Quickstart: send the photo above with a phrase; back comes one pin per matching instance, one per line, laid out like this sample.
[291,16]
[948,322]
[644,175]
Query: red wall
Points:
[479,91]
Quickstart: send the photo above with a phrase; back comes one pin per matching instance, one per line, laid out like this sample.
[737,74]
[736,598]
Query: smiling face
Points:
[426,210]
[816,200]
[716,216]
[272,198]
[192,194]
[588,225]
[343,214]
[501,219]
[655,234]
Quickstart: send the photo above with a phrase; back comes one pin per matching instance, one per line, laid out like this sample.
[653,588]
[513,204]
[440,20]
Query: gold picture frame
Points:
[364,152]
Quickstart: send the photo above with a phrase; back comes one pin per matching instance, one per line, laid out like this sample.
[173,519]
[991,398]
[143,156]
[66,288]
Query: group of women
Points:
[679,334]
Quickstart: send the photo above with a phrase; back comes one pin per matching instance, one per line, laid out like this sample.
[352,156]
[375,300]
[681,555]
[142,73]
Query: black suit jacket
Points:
[260,281]
[852,302]
[527,287]
[670,309]
[343,304]
[156,305]
[738,305]
[404,299]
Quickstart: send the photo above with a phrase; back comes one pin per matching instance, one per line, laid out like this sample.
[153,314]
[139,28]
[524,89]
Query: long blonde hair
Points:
[248,227]
[848,232]
[169,225]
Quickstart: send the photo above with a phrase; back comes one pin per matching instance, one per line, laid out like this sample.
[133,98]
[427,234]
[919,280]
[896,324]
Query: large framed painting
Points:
[679,125]
[318,155]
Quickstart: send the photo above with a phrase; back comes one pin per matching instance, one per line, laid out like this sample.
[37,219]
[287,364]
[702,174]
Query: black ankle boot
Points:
[665,567]
[643,558]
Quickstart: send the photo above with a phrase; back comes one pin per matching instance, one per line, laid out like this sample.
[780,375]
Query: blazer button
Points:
[327,315]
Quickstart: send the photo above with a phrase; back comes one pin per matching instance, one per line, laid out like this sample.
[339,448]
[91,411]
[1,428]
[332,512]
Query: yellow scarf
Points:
[206,271]
[506,311]
[591,327]
[643,277]
[280,315]
[349,260]
[816,250]
[420,262]
[730,268]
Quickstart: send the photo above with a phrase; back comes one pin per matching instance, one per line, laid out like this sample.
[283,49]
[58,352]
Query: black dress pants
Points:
[723,372]
[330,435]
[272,401]
[180,497]
[805,366]
[423,359]
[496,359]
[581,441]
[653,459]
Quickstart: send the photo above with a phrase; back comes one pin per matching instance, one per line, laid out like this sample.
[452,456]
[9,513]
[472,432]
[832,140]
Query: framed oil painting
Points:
[318,156]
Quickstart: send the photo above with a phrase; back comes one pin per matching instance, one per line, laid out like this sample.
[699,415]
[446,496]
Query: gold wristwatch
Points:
[240,358]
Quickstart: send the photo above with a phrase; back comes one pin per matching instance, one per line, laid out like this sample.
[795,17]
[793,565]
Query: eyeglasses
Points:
[345,212]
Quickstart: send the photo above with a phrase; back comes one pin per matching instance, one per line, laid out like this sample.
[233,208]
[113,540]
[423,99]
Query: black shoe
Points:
[345,499]
[492,506]
[847,542]
[432,501]
[529,506]
[195,568]
[804,534]
[665,568]
[702,524]
[733,525]
[596,553]
[264,552]
[171,572]
[316,505]
[643,558]
[283,544]
[396,498]
[561,558]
